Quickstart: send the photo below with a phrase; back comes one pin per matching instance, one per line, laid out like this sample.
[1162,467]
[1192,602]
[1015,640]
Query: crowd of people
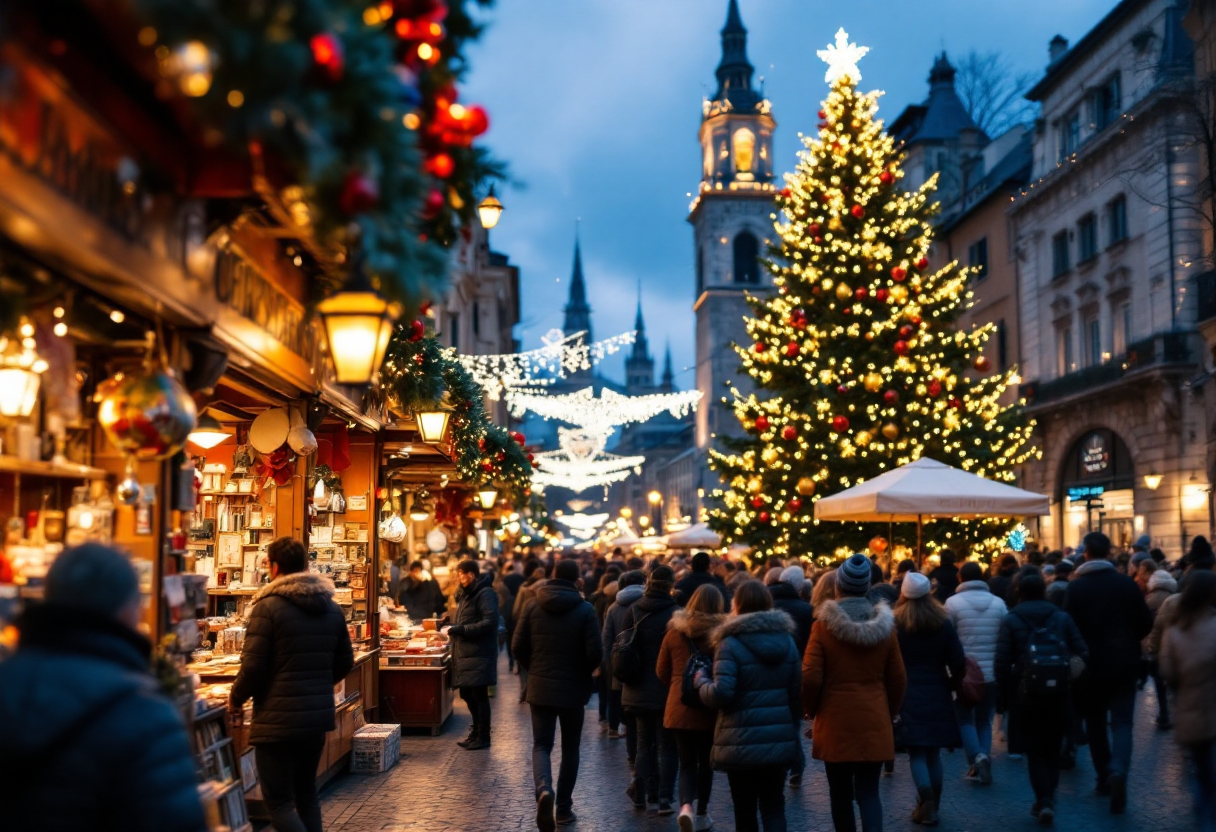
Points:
[699,665]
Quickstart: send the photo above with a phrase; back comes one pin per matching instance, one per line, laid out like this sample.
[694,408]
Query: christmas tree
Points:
[858,365]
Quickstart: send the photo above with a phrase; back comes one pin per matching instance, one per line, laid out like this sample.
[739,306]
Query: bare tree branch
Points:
[993,92]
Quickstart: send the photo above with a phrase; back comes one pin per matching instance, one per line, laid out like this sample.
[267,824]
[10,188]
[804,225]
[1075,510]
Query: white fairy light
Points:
[560,356]
[841,58]
[583,522]
[602,413]
[581,464]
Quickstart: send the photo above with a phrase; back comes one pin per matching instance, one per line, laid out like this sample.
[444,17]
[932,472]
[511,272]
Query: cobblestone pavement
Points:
[438,787]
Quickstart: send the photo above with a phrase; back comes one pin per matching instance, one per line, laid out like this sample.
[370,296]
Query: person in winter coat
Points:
[558,643]
[653,786]
[944,577]
[1161,585]
[296,649]
[601,600]
[474,635]
[1001,583]
[787,596]
[1041,720]
[853,682]
[630,587]
[755,687]
[1113,617]
[698,577]
[1188,664]
[977,615]
[420,595]
[934,661]
[693,726]
[87,737]
[523,599]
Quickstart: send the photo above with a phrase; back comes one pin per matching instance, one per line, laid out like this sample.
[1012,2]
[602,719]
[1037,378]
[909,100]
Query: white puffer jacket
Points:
[977,615]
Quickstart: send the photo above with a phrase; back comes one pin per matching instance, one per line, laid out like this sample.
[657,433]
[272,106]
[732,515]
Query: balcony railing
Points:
[1166,348]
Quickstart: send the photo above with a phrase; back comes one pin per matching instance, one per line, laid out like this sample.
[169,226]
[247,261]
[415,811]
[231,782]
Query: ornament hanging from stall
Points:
[300,439]
[146,415]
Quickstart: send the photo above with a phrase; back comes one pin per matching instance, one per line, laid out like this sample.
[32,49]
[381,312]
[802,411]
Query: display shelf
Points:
[56,470]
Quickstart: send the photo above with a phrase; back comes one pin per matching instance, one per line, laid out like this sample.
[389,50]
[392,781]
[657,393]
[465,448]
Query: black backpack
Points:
[627,665]
[1046,671]
[697,662]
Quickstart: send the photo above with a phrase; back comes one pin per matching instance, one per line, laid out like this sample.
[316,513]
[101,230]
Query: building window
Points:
[1093,342]
[745,150]
[1087,238]
[1064,360]
[1059,254]
[700,272]
[476,318]
[747,258]
[1105,103]
[1116,219]
[1070,134]
[977,258]
[454,330]
[1121,327]
[1002,346]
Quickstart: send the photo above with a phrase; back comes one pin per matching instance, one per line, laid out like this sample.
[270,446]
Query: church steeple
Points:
[578,312]
[734,71]
[639,366]
[668,385]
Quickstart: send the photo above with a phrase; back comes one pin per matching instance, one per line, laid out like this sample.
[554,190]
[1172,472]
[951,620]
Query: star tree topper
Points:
[841,58]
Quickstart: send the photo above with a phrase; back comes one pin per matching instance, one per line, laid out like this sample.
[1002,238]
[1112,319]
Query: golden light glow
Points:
[358,324]
[1152,481]
[487,495]
[654,497]
[432,425]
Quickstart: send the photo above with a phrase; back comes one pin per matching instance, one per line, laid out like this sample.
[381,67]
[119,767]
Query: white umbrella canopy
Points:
[928,488]
[698,536]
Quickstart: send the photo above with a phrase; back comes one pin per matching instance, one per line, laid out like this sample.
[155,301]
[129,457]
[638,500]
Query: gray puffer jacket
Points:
[756,688]
[977,615]
[296,649]
[614,622]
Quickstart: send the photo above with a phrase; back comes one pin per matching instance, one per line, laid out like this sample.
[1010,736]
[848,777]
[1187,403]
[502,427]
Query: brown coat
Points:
[673,657]
[853,681]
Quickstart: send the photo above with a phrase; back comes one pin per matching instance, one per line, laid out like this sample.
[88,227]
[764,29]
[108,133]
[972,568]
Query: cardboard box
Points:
[375,748]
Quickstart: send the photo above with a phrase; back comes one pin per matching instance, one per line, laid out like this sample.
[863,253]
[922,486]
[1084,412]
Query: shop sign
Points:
[1082,493]
[1095,455]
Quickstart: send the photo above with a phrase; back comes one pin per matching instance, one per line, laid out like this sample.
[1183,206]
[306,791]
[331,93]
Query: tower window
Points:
[700,272]
[745,150]
[747,258]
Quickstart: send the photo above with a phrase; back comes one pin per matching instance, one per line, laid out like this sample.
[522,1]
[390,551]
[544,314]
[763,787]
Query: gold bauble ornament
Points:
[863,438]
[890,430]
[806,486]
[951,421]
[843,292]
[899,294]
[754,485]
[873,382]
[770,455]
[836,224]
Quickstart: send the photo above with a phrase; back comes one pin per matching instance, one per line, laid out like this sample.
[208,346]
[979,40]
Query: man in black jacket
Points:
[699,576]
[475,648]
[557,641]
[296,649]
[87,738]
[1113,617]
[420,595]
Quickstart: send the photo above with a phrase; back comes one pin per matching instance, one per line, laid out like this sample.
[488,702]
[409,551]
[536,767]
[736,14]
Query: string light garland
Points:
[604,412]
[581,463]
[857,363]
[560,356]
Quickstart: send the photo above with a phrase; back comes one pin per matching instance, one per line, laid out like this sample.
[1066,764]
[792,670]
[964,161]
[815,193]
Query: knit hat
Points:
[92,578]
[915,585]
[1140,557]
[661,580]
[794,576]
[853,576]
[773,576]
[1143,543]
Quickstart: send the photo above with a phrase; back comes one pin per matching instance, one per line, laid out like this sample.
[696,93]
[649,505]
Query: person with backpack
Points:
[1188,664]
[686,649]
[1036,659]
[934,662]
[755,686]
[853,683]
[558,643]
[630,588]
[645,695]
[1113,617]
[977,615]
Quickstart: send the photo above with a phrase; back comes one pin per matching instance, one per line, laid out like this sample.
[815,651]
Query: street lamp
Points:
[488,495]
[208,432]
[1152,481]
[656,499]
[489,210]
[626,512]
[358,323]
[433,424]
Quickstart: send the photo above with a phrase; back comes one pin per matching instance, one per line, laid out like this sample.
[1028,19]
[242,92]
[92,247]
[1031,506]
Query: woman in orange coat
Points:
[693,726]
[852,685]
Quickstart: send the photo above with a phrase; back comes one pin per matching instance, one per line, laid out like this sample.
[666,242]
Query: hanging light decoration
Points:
[487,495]
[420,509]
[604,412]
[208,432]
[21,370]
[358,323]
[489,210]
[560,356]
[433,423]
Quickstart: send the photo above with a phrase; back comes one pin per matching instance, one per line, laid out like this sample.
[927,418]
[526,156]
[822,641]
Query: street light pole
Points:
[656,499]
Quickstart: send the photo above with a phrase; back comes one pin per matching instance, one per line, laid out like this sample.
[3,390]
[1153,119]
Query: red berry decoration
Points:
[764,517]
[521,439]
[757,502]
[487,466]
[848,310]
[786,193]
[955,403]
[823,114]
[901,347]
[982,364]
[857,211]
[840,423]
[359,193]
[890,397]
[791,349]
[825,197]
[761,423]
[789,432]
[881,295]
[935,389]
[417,331]
[916,320]
[922,263]
[794,504]
[531,458]
[862,293]
[898,274]
[798,318]
[328,55]
[885,177]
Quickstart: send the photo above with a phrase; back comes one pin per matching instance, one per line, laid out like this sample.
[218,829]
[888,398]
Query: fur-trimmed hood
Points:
[857,621]
[767,634]
[695,625]
[1161,579]
[307,590]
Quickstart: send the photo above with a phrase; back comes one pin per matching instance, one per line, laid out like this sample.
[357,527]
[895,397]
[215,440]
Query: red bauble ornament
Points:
[885,177]
[898,273]
[823,125]
[764,517]
[857,211]
[487,466]
[906,331]
[424,307]
[794,504]
[440,165]
[791,349]
[481,444]
[798,318]
[881,295]
[825,197]
[916,320]
[761,423]
[982,364]
[862,293]
[935,388]
[901,347]
[786,193]
[327,53]
[501,456]
[757,502]
[848,310]
[813,228]
[758,347]
[359,193]
[890,397]
[521,439]
[840,423]
[823,114]
[922,263]
[955,403]
[417,331]
[531,458]
[434,203]
[842,390]
[789,432]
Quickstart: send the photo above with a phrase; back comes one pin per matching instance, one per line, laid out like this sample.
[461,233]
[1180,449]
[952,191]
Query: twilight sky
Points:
[595,105]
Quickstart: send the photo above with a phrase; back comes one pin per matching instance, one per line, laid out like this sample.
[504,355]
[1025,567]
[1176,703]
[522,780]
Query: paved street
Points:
[438,787]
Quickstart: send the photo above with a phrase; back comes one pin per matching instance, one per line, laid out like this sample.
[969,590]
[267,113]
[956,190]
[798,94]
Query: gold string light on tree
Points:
[858,366]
